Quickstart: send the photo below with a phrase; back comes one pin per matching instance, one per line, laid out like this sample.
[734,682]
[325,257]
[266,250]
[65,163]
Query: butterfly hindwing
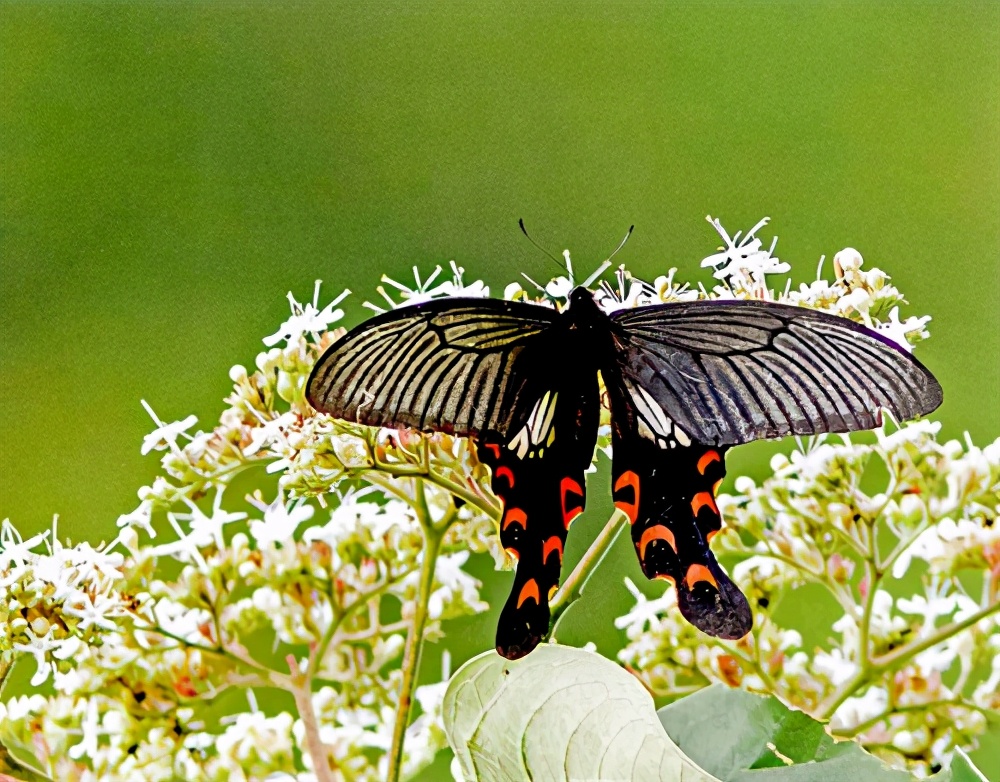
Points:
[669,498]
[538,474]
[665,483]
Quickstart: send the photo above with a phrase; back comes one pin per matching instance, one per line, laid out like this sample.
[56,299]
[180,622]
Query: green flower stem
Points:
[865,664]
[381,477]
[433,535]
[904,653]
[572,588]
[878,665]
[268,676]
[849,733]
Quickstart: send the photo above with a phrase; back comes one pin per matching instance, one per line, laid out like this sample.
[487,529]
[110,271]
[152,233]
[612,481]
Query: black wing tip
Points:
[518,650]
[933,396]
[722,613]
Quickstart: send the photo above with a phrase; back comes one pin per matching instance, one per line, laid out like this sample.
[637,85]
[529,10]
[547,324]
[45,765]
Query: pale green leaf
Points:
[558,714]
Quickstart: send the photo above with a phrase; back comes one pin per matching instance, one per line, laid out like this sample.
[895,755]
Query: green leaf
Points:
[962,770]
[558,714]
[11,770]
[739,737]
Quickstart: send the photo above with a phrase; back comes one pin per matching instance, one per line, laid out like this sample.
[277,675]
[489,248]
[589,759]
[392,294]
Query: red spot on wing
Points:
[513,552]
[710,535]
[666,577]
[659,532]
[514,516]
[505,472]
[569,486]
[552,544]
[494,448]
[529,590]
[697,573]
[701,500]
[630,509]
[706,459]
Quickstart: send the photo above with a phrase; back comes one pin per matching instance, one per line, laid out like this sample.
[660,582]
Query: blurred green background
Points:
[170,170]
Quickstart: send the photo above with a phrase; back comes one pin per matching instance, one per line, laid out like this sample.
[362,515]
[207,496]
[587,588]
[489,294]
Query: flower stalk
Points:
[572,588]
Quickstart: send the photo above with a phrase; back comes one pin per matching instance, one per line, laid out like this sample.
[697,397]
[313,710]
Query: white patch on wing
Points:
[538,431]
[653,422]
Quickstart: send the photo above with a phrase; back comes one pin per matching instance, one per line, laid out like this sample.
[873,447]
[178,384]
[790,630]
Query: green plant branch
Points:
[865,670]
[572,588]
[904,653]
[861,727]
[270,678]
[877,665]
[433,535]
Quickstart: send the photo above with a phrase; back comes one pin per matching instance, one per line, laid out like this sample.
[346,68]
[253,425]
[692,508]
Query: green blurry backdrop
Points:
[170,170]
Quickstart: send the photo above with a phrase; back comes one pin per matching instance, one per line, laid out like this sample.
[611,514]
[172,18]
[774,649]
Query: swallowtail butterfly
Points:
[685,382]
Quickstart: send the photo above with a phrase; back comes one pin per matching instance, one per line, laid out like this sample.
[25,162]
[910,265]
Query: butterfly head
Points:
[581,297]
[583,310]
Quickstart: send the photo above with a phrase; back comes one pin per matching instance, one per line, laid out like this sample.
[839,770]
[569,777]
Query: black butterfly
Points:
[684,382]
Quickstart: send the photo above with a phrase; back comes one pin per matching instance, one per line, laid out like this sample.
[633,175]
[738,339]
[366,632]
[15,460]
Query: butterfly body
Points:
[684,382]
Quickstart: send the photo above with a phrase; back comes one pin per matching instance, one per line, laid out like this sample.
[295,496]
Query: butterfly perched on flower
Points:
[684,382]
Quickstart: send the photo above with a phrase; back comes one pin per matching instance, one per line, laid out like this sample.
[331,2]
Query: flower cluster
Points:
[284,550]
[312,590]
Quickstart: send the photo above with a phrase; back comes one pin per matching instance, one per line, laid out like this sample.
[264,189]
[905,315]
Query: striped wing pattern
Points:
[446,365]
[731,372]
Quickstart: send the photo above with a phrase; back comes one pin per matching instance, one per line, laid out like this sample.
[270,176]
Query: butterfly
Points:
[684,383]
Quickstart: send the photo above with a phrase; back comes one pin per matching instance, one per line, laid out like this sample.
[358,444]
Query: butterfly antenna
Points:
[527,236]
[622,243]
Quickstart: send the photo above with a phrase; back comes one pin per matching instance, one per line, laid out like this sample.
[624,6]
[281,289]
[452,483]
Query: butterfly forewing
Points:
[449,364]
[731,372]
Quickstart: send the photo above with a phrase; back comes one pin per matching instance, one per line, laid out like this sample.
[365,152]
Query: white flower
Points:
[645,613]
[856,710]
[448,572]
[897,331]
[846,261]
[207,530]
[254,735]
[38,647]
[425,290]
[89,727]
[165,435]
[307,319]
[745,256]
[280,521]
[94,611]
[13,549]
[834,666]
[272,430]
[141,517]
